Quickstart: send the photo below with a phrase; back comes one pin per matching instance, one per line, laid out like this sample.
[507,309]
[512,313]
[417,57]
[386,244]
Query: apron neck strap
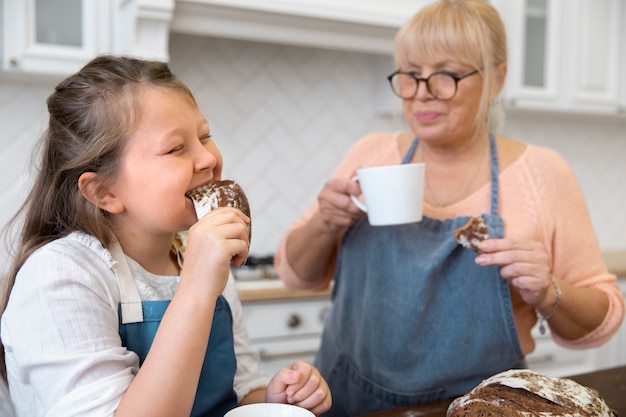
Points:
[130,301]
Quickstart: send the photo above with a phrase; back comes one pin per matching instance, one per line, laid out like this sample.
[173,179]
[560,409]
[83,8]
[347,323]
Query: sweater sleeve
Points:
[550,201]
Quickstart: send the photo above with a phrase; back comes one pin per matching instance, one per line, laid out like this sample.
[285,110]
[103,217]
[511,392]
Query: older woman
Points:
[417,317]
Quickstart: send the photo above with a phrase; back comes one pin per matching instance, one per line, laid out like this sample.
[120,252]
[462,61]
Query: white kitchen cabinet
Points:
[284,331]
[594,33]
[622,94]
[534,42]
[43,37]
[55,38]
[565,56]
[355,25]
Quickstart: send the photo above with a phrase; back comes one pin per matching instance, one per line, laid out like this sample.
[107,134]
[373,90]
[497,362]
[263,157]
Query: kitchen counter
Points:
[609,383]
[274,289]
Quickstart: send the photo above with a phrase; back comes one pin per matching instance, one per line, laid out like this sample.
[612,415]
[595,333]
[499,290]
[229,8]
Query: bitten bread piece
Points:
[225,193]
[524,393]
[472,233]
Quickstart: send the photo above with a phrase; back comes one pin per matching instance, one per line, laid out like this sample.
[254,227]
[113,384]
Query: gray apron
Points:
[139,321]
[414,318]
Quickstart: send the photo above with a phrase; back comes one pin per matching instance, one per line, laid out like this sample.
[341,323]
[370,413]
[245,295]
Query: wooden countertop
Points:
[274,289]
[609,383]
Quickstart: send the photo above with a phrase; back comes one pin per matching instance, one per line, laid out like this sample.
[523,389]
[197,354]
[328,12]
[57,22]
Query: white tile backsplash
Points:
[283,117]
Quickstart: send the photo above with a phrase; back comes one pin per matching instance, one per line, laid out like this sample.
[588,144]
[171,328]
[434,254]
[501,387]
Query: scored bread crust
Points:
[525,393]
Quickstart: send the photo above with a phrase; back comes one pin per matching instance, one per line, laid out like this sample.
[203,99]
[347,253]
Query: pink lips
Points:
[425,116]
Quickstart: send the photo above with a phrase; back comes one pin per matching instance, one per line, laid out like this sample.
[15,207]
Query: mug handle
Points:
[355,200]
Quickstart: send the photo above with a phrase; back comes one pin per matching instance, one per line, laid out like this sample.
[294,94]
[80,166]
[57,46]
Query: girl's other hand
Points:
[301,384]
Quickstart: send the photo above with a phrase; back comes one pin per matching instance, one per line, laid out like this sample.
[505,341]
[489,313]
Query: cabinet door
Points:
[592,67]
[53,37]
[565,58]
[534,29]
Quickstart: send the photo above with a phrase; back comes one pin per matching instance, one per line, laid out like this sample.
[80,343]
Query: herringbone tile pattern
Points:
[283,116]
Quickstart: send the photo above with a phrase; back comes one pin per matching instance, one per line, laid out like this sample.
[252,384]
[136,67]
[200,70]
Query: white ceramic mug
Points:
[269,410]
[393,194]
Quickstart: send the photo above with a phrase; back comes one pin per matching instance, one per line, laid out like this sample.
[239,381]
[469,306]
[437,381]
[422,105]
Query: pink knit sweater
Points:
[540,200]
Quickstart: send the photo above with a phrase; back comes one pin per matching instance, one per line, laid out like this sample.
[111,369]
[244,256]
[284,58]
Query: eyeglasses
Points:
[441,85]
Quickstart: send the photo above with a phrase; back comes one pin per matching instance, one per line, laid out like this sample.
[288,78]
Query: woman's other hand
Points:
[525,264]
[301,384]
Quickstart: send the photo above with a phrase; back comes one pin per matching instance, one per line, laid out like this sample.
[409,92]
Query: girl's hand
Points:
[524,263]
[301,384]
[216,240]
[336,208]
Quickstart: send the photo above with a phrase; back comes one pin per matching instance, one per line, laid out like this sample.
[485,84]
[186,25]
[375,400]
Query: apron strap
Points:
[130,301]
[495,176]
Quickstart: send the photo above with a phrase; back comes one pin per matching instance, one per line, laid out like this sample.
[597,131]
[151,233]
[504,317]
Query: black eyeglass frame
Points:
[417,79]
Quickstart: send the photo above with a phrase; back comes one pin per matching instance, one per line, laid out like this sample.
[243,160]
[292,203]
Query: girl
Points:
[104,317]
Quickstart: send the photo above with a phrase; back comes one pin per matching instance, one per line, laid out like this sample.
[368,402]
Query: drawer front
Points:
[548,358]
[279,353]
[280,319]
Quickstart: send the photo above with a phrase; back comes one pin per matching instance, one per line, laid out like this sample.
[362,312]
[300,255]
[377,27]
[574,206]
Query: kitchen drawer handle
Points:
[294,321]
[294,354]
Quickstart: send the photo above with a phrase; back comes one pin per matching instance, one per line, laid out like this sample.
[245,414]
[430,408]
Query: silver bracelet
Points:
[543,319]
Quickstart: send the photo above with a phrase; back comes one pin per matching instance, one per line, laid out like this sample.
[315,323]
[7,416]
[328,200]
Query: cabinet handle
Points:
[294,321]
[265,356]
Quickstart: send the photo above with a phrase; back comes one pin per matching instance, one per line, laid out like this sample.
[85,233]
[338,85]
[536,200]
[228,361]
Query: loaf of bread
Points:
[224,193]
[472,233]
[524,393]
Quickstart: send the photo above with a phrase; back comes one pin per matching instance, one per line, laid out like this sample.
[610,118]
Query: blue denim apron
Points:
[139,321]
[414,318]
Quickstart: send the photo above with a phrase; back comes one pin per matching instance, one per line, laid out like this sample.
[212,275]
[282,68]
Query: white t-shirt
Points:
[61,331]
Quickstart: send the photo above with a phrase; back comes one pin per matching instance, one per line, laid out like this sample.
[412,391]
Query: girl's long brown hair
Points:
[91,114]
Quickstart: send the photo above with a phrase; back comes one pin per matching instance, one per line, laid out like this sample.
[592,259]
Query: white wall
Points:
[283,116]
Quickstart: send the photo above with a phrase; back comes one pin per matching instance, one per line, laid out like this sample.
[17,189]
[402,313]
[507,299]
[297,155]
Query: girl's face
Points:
[169,154]
[443,121]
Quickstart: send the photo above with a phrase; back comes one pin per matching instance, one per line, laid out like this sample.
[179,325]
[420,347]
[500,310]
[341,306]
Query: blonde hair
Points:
[468,31]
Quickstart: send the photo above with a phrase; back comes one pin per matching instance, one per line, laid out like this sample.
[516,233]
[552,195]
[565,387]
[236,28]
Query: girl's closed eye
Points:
[206,138]
[175,149]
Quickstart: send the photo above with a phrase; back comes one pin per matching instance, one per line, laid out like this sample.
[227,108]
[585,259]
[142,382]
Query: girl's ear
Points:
[94,190]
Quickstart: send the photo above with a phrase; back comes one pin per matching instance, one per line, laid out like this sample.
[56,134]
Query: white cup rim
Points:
[284,410]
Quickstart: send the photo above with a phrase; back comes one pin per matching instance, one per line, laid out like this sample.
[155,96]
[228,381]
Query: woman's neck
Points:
[454,172]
